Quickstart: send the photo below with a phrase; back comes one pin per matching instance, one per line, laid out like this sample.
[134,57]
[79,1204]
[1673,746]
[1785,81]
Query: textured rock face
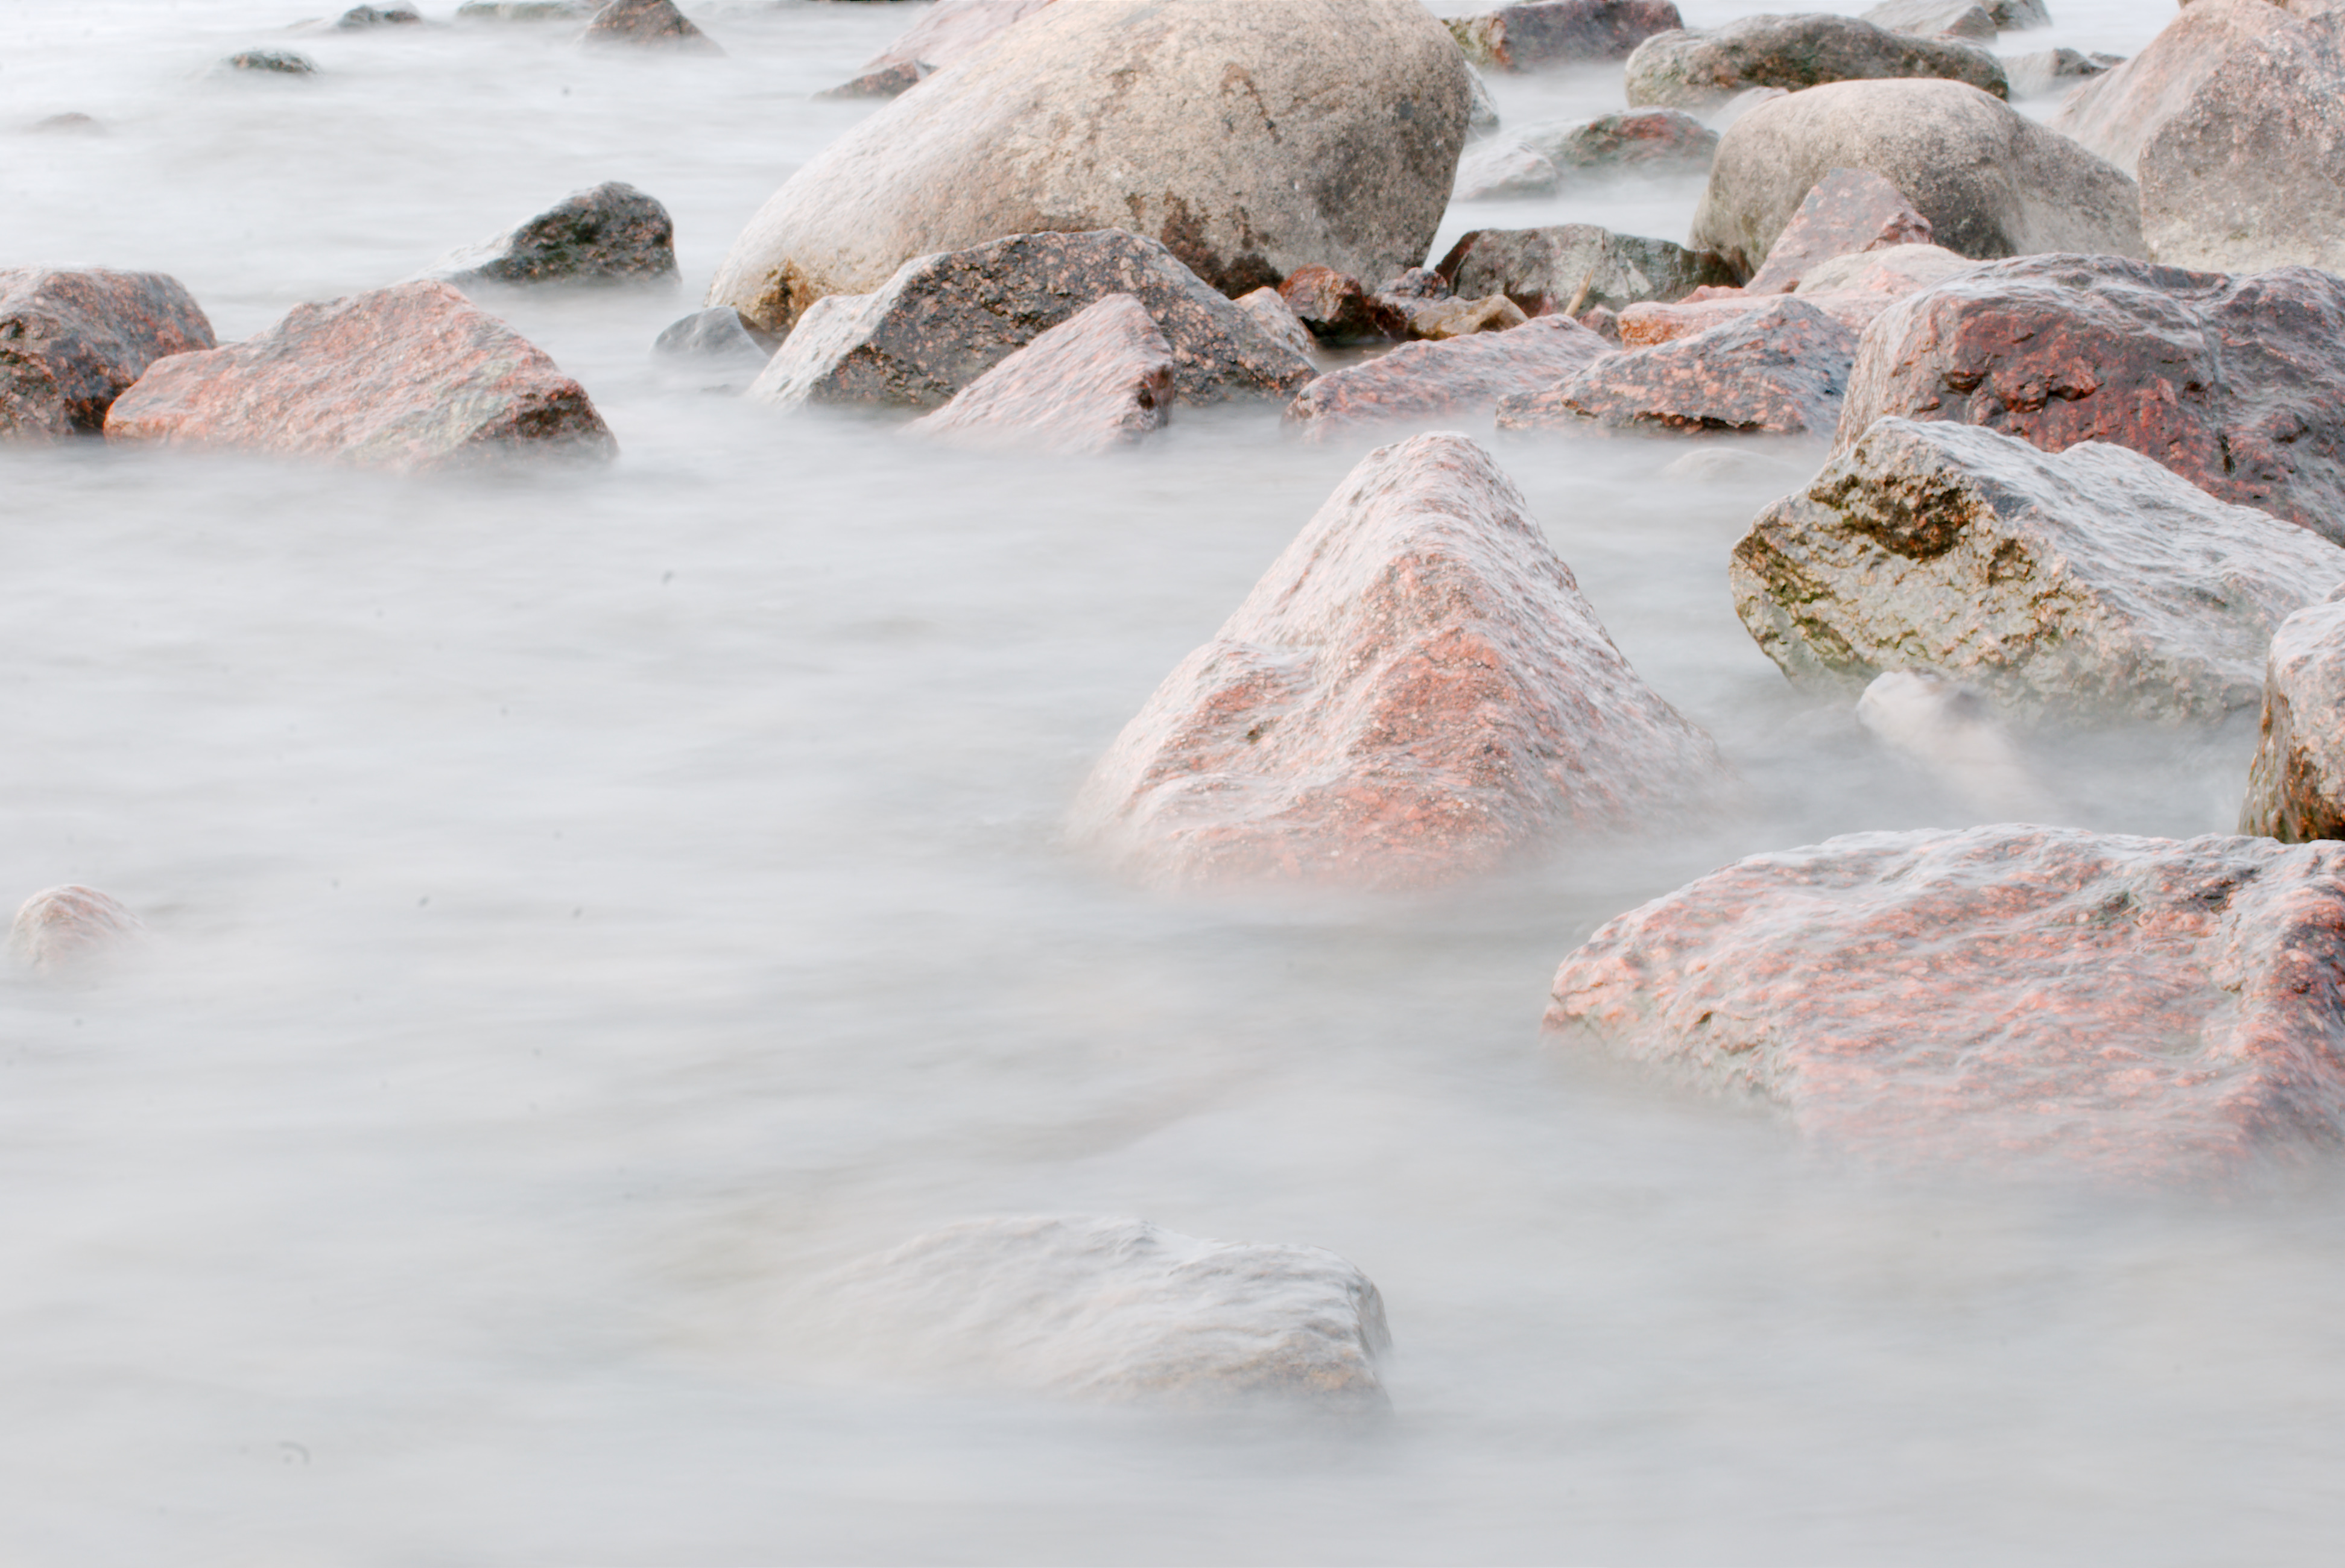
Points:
[1458,379]
[2296,785]
[1964,19]
[1338,309]
[1118,1310]
[653,24]
[2235,383]
[1249,139]
[1275,316]
[1541,33]
[2251,173]
[1100,379]
[611,234]
[406,377]
[1415,692]
[1848,211]
[2116,114]
[952,31]
[2091,584]
[1575,267]
[63,929]
[1702,69]
[1780,368]
[71,341]
[2041,1001]
[1991,182]
[944,320]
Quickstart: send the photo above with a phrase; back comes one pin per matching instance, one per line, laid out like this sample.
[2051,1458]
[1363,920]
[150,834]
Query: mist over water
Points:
[584,906]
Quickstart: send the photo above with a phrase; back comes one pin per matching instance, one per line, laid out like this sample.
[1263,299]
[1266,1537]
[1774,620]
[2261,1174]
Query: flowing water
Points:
[585,905]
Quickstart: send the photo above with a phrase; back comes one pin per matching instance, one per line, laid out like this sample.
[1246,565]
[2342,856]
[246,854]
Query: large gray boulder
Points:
[1251,140]
[2296,785]
[1992,182]
[1702,68]
[2116,114]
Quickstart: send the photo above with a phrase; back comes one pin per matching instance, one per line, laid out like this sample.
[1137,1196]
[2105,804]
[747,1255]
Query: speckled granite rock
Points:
[1854,290]
[2237,384]
[1538,34]
[1778,369]
[1415,692]
[951,30]
[1459,379]
[2039,1001]
[2115,116]
[270,63]
[1338,309]
[72,341]
[406,377]
[1100,379]
[652,24]
[612,233]
[944,320]
[362,17]
[1848,211]
[1575,267]
[1699,69]
[1270,310]
[2296,785]
[1964,19]
[2087,585]
[60,930]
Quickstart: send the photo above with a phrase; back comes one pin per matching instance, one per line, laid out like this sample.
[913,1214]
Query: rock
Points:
[1779,370]
[1415,692]
[888,82]
[1249,139]
[2049,71]
[1991,182]
[1505,171]
[1936,19]
[61,930]
[72,124]
[1632,141]
[1441,320]
[944,320]
[2040,1000]
[952,31]
[2116,114]
[2296,785]
[653,24]
[2017,15]
[1482,113]
[1740,105]
[612,233]
[1270,310]
[2235,383]
[270,61]
[1703,69]
[1116,1310]
[1339,309]
[1415,283]
[1854,290]
[1847,212]
[1734,465]
[361,16]
[1604,323]
[2251,173]
[1887,274]
[1534,35]
[1100,379]
[1463,377]
[2090,584]
[1574,265]
[1949,731]
[71,341]
[407,377]
[526,10]
[715,347]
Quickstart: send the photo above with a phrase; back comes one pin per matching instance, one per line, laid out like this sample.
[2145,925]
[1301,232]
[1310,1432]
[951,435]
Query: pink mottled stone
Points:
[61,928]
[1847,211]
[1781,369]
[1099,380]
[1415,692]
[72,340]
[2037,999]
[1463,377]
[411,377]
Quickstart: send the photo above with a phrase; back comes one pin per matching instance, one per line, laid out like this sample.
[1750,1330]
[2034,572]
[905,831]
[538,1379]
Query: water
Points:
[587,904]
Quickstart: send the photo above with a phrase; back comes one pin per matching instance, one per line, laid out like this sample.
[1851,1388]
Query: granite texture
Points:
[2116,114]
[1575,267]
[1778,369]
[1462,379]
[71,341]
[1848,211]
[1101,378]
[1339,310]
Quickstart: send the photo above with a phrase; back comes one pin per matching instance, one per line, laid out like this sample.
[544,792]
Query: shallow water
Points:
[586,904]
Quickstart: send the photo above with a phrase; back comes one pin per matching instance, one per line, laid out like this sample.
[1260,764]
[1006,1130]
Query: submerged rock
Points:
[1629,141]
[271,63]
[1100,379]
[649,24]
[1536,35]
[526,10]
[1701,69]
[2036,1000]
[71,341]
[1964,19]
[1415,692]
[952,31]
[362,17]
[2296,785]
[1505,171]
[62,929]
[715,333]
[1847,212]
[71,123]
[1780,369]
[1575,267]
[2049,71]
[1950,731]
[1461,379]
[2116,114]
[406,377]
[612,233]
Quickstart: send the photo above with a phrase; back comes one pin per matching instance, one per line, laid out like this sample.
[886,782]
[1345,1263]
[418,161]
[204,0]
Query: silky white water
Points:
[586,904]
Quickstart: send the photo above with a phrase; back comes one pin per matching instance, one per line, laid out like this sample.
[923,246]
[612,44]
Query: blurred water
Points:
[586,904]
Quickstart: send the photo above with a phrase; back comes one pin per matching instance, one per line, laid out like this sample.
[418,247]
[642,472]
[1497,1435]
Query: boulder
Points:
[1438,320]
[1778,369]
[407,377]
[1415,692]
[60,930]
[1629,141]
[2237,384]
[2296,785]
[1505,171]
[1482,111]
[1274,315]
[362,17]
[1702,68]
[952,31]
[1339,309]
[2049,71]
[2039,1001]
[71,123]
[2017,15]
[1847,212]
[2089,584]
[1572,267]
[1964,19]
[944,320]
[2116,114]
[713,350]
[612,233]
[270,63]
[1113,1309]
[1536,35]
[2251,173]
[72,341]
[1991,181]
[1854,290]
[1100,379]
[1249,140]
[1461,379]
[649,24]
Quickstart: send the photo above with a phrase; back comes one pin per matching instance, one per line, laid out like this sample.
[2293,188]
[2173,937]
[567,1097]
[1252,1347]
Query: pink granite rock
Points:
[1461,379]
[71,340]
[2116,114]
[1847,211]
[1781,369]
[2035,1000]
[65,929]
[407,377]
[1852,289]
[1099,380]
[2296,785]
[649,23]
[1271,312]
[952,30]
[1415,692]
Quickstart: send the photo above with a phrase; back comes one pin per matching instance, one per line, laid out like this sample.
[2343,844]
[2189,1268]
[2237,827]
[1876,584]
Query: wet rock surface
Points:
[1847,212]
[1458,379]
[407,377]
[70,929]
[2090,584]
[1855,290]
[1540,34]
[2296,785]
[1780,368]
[1699,69]
[649,24]
[1575,267]
[952,30]
[2116,114]
[612,233]
[1100,379]
[72,341]
[2033,1000]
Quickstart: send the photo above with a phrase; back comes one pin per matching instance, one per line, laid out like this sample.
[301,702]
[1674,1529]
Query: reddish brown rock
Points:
[1535,34]
[1848,211]
[1781,369]
[71,341]
[61,929]
[2237,384]
[2116,114]
[1101,379]
[1437,321]
[2039,1001]
[1270,310]
[655,24]
[1460,378]
[1575,267]
[1415,692]
[2296,785]
[406,377]
[1339,309]
[952,30]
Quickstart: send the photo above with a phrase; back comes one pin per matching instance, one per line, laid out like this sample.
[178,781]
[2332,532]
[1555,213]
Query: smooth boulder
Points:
[1778,369]
[2296,784]
[1464,378]
[1575,267]
[66,930]
[72,341]
[612,233]
[1702,68]
[1540,35]
[1964,19]
[1100,379]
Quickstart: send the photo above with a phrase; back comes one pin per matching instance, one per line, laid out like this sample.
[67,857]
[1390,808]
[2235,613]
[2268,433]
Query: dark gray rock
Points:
[612,233]
[1700,70]
[73,340]
[1574,266]
[271,63]
[363,16]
